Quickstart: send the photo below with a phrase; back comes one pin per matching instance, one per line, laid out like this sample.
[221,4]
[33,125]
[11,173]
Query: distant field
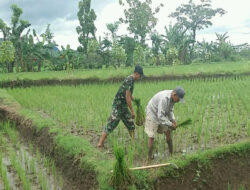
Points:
[219,109]
[212,68]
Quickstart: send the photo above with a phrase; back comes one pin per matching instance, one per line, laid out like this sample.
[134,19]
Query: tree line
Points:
[21,52]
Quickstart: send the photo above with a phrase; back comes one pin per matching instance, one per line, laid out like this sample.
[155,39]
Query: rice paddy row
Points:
[214,68]
[218,107]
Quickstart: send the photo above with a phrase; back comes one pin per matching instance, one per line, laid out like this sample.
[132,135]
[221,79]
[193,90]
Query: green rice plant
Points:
[199,129]
[53,169]
[10,132]
[225,67]
[185,123]
[5,178]
[32,165]
[248,129]
[3,141]
[43,181]
[121,176]
[31,148]
[206,99]
[130,150]
[46,163]
[25,160]
[60,180]
[140,113]
[3,173]
[38,156]
[242,187]
[20,171]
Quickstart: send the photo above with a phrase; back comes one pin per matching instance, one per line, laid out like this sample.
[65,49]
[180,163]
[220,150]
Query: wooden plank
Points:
[150,166]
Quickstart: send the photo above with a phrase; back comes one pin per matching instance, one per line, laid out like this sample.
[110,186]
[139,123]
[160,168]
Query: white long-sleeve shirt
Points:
[160,108]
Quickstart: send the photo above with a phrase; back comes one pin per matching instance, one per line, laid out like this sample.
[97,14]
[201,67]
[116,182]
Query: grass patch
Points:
[214,68]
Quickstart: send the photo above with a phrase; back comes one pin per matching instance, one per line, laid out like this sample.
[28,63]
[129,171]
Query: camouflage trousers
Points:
[119,113]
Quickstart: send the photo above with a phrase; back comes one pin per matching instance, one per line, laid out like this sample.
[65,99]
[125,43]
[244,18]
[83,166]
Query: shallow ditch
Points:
[70,166]
[23,167]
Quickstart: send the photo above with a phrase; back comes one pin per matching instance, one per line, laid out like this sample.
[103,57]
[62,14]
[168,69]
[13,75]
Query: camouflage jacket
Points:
[120,97]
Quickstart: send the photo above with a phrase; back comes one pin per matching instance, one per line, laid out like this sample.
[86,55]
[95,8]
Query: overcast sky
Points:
[62,15]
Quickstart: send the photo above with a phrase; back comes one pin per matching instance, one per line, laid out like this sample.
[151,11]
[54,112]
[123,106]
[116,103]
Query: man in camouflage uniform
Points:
[122,108]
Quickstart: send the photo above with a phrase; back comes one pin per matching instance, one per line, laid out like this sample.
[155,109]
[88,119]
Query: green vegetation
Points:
[140,113]
[217,107]
[3,172]
[203,158]
[218,68]
[186,122]
[121,175]
[31,169]
[83,110]
[178,45]
[216,113]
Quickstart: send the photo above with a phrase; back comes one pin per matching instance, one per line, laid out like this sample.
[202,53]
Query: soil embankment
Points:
[70,167]
[230,172]
[80,81]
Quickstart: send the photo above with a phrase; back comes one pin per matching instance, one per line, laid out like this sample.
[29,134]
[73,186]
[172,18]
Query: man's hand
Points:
[132,114]
[174,125]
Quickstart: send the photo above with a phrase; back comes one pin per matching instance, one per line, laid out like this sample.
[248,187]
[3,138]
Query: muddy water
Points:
[1,185]
[13,179]
[40,177]
[54,182]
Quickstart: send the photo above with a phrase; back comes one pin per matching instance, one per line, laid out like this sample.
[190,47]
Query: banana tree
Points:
[7,54]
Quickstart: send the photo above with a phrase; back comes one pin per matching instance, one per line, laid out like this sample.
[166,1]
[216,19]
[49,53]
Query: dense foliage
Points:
[144,45]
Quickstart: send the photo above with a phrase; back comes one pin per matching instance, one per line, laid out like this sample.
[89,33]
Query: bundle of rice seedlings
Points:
[186,122]
[140,113]
[121,177]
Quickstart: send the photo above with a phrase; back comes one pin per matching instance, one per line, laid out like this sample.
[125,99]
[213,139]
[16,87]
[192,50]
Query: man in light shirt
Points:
[160,117]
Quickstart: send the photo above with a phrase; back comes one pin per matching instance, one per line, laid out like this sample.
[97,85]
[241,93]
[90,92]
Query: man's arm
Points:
[162,106]
[171,114]
[129,102]
[172,118]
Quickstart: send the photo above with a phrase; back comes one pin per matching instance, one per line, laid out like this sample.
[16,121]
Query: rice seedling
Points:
[227,67]
[53,169]
[32,165]
[208,103]
[140,113]
[185,123]
[3,173]
[43,181]
[121,176]
[11,133]
[5,178]
[20,171]
[27,167]
[38,155]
